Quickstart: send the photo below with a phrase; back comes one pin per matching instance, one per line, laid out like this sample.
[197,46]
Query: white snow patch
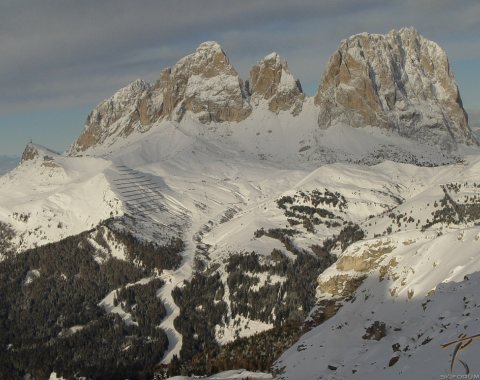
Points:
[31,276]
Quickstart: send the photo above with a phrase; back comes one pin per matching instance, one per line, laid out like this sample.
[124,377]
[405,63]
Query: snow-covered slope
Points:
[48,196]
[423,290]
[176,184]
[230,375]
[412,281]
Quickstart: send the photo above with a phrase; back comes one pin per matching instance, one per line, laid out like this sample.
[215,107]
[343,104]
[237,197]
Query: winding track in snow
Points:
[143,199]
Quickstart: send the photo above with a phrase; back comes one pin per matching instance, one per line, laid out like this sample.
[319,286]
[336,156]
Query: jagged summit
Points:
[404,31]
[209,59]
[271,80]
[210,46]
[399,81]
[32,151]
[203,83]
[120,114]
[272,56]
[206,84]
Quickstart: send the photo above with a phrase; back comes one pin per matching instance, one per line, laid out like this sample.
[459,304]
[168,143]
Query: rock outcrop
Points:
[206,84]
[30,153]
[34,151]
[128,109]
[39,154]
[399,81]
[271,80]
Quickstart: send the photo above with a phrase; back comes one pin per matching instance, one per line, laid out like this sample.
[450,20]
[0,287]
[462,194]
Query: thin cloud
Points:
[58,53]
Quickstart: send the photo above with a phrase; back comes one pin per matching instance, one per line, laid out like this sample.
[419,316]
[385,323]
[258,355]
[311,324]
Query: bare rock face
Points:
[30,153]
[130,108]
[271,80]
[206,84]
[39,154]
[399,81]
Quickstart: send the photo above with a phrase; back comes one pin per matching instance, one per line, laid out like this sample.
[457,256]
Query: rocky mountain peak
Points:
[203,83]
[124,107]
[30,153]
[210,46]
[208,60]
[34,152]
[206,84]
[271,80]
[399,81]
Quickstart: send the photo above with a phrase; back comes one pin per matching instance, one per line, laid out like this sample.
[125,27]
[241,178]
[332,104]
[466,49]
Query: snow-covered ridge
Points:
[49,197]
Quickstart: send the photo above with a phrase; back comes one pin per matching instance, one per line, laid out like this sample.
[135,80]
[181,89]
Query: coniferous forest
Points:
[50,317]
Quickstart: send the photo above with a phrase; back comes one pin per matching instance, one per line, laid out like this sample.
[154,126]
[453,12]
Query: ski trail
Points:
[107,303]
[172,280]
[146,200]
[175,279]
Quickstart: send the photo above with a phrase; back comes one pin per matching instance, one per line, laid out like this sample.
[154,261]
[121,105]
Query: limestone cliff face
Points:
[30,153]
[206,84]
[271,80]
[399,81]
[128,109]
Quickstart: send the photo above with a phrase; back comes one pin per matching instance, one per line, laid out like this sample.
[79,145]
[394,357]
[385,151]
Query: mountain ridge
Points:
[399,82]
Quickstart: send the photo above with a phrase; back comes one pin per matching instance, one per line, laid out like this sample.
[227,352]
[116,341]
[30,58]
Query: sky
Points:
[60,58]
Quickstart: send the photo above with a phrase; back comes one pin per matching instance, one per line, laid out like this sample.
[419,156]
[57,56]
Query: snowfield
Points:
[53,196]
